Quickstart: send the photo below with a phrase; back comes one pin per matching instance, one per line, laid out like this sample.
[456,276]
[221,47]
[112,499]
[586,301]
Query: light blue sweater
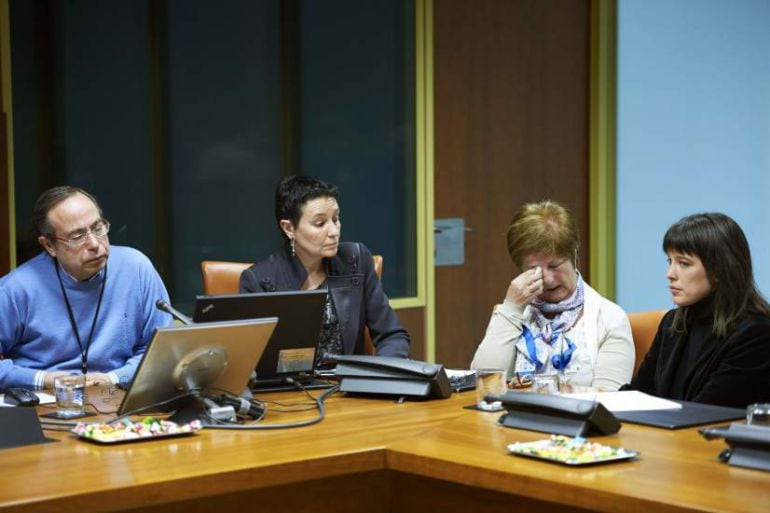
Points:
[35,330]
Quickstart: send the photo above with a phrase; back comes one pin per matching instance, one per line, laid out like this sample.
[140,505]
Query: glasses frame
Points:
[79,243]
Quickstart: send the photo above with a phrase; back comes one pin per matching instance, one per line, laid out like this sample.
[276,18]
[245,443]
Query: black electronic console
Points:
[556,414]
[384,375]
[749,445]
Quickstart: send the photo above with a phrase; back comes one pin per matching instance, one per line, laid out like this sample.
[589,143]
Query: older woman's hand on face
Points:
[526,287]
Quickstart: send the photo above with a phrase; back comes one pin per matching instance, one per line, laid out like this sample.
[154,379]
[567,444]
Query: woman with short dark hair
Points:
[551,321]
[715,346]
[308,215]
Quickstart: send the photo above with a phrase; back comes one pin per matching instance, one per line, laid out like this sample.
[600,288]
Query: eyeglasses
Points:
[99,230]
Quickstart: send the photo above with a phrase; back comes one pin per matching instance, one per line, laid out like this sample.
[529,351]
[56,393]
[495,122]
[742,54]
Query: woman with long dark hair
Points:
[715,346]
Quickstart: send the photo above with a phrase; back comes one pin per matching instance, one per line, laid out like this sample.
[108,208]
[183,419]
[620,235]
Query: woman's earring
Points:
[291,243]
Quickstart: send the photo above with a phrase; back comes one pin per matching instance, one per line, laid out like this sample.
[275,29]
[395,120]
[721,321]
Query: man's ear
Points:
[47,245]
[287,227]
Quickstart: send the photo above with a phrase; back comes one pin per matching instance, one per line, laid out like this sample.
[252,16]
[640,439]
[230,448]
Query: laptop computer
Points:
[292,349]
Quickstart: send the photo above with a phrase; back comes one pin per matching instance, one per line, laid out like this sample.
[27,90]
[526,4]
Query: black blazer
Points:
[357,293]
[734,371]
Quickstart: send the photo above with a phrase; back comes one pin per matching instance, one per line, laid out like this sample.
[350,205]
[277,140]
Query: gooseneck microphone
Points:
[176,314]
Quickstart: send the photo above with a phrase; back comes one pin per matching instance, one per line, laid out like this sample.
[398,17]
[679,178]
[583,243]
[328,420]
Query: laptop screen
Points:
[292,348]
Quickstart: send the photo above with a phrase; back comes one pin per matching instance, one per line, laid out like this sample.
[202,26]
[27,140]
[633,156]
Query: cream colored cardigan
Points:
[608,343]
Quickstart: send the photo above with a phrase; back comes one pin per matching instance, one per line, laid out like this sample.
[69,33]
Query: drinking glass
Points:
[490,382]
[758,414]
[545,383]
[70,395]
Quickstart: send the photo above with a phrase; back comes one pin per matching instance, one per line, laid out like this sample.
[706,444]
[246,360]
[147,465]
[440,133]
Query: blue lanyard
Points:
[559,361]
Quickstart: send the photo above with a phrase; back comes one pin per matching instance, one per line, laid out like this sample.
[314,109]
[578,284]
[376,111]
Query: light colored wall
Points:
[693,131]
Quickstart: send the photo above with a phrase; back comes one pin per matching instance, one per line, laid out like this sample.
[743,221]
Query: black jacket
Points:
[734,371]
[357,293]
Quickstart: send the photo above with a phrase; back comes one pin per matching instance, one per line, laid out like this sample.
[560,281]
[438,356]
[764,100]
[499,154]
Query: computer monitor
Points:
[186,362]
[292,348]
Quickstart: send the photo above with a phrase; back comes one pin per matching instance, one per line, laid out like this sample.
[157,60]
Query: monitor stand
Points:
[202,408]
[190,408]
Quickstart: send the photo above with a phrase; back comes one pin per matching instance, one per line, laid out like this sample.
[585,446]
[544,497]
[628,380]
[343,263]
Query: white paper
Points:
[459,372]
[44,399]
[628,400]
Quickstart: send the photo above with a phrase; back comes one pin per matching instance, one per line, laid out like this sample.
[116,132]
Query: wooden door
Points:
[511,102]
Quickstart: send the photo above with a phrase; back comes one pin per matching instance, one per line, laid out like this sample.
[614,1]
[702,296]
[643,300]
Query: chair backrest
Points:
[644,325]
[220,277]
[377,265]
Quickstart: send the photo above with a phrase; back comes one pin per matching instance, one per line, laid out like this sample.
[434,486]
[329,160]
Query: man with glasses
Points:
[80,305]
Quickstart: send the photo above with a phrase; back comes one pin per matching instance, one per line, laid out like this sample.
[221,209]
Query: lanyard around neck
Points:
[83,351]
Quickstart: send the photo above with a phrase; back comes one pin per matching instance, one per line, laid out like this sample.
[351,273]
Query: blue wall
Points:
[693,131]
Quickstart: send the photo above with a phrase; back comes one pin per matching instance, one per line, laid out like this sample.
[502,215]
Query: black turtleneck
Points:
[696,340]
[693,364]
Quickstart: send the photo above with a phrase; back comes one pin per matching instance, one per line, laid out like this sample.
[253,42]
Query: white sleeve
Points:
[616,354]
[498,349]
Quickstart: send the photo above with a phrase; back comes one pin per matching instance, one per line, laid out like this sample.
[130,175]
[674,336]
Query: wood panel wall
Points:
[511,102]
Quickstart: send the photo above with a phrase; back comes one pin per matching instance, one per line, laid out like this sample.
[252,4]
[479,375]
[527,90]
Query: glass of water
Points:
[70,395]
[758,414]
[545,383]
[490,382]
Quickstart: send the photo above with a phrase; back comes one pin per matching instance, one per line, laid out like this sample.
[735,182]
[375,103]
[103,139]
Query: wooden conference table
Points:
[373,455]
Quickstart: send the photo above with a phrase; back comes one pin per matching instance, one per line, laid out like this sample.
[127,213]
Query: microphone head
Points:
[179,316]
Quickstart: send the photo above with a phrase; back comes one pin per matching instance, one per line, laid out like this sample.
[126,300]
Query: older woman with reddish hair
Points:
[551,321]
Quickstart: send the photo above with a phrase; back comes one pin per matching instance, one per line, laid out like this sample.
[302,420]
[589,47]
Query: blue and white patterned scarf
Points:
[537,339]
